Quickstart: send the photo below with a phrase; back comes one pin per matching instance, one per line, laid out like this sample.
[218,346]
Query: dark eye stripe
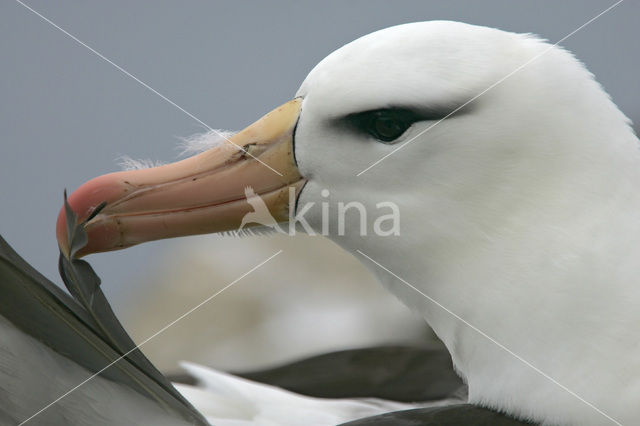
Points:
[387,125]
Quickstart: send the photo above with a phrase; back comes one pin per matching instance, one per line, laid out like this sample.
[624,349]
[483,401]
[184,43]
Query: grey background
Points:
[66,115]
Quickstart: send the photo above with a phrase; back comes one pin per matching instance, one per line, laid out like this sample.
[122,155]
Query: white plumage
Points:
[228,400]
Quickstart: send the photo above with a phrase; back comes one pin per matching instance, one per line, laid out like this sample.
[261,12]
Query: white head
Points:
[502,152]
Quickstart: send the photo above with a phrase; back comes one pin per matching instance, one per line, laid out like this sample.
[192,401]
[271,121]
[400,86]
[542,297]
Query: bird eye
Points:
[388,128]
[386,125]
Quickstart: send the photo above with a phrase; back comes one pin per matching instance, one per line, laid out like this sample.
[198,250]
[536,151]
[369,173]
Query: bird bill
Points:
[202,194]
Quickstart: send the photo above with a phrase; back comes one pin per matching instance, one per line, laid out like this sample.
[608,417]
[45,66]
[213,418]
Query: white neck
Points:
[551,275]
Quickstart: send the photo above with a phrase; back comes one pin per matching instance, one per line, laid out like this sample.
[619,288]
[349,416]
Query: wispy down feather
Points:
[258,230]
[201,142]
[127,163]
[188,146]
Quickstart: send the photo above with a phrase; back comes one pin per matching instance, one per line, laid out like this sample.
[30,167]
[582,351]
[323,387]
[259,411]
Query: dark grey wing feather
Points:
[452,415]
[396,373]
[35,306]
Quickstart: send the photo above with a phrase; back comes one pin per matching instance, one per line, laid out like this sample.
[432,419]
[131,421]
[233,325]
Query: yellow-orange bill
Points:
[201,194]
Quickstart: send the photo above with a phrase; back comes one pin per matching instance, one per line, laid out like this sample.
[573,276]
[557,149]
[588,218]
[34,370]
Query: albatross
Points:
[516,178]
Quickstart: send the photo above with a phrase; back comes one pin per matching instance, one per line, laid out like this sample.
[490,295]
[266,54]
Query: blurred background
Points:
[67,116]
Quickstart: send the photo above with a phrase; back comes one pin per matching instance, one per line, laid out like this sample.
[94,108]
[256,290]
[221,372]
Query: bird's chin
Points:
[253,172]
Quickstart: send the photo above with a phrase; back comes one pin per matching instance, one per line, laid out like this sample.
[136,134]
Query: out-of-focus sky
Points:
[66,115]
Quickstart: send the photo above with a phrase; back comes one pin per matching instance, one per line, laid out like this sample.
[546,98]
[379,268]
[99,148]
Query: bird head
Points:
[460,127]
